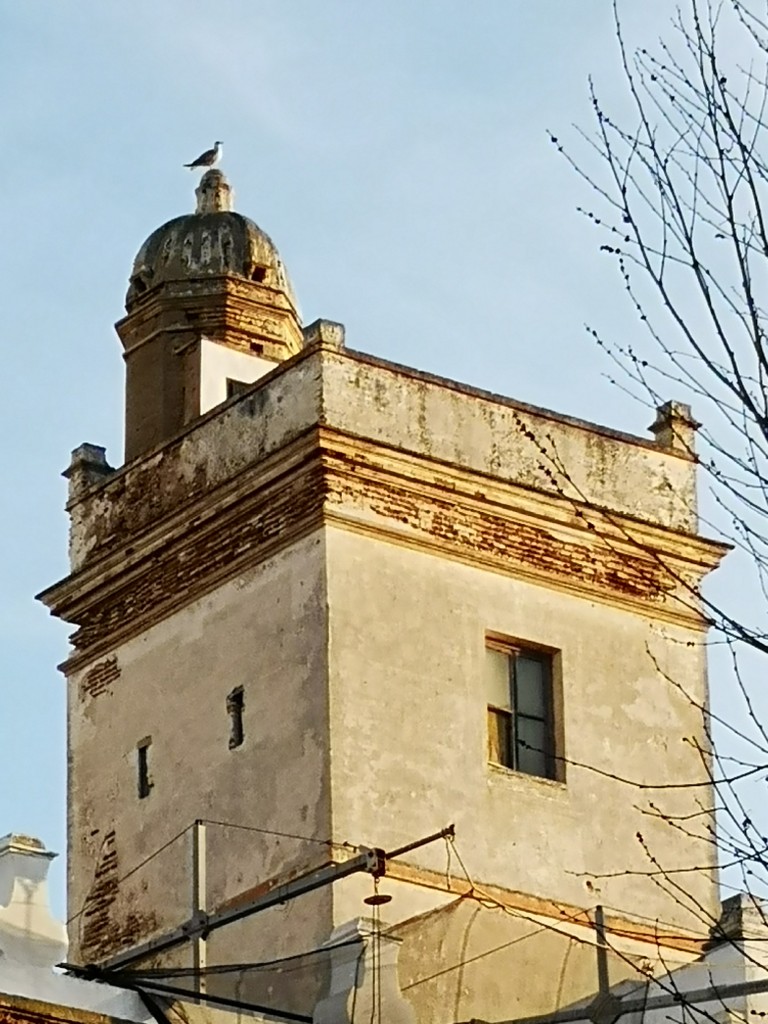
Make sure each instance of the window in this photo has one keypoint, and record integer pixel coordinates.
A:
(235, 705)
(144, 780)
(236, 387)
(520, 709)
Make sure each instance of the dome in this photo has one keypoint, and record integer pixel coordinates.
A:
(208, 243)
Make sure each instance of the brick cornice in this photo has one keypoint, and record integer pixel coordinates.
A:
(145, 579)
(518, 530)
(23, 1010)
(325, 476)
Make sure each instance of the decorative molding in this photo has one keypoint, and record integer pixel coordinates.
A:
(328, 477)
(23, 1010)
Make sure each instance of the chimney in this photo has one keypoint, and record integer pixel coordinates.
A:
(29, 933)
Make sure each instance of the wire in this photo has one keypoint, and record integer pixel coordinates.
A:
(134, 869)
(669, 987)
(222, 824)
(280, 963)
(275, 832)
(487, 900)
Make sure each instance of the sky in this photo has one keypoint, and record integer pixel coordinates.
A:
(396, 152)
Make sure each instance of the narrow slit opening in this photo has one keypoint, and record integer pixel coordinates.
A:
(144, 780)
(235, 706)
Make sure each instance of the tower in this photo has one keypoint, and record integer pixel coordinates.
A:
(329, 600)
(209, 303)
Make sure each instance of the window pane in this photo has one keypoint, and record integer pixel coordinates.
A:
(532, 763)
(497, 666)
(532, 746)
(531, 686)
(498, 738)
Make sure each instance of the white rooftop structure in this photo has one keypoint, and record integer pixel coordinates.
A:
(33, 942)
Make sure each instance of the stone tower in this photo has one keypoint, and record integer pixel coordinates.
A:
(332, 600)
(209, 301)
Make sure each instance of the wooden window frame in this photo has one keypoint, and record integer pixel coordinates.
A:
(509, 757)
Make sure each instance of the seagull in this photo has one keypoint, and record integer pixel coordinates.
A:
(208, 158)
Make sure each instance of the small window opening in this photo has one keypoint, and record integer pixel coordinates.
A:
(236, 387)
(521, 727)
(258, 274)
(144, 779)
(257, 348)
(235, 706)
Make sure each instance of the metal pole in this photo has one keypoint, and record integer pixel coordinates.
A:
(199, 898)
(603, 984)
(374, 861)
(202, 923)
(445, 833)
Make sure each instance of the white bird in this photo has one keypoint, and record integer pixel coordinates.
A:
(207, 159)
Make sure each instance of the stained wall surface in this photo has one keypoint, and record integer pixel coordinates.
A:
(264, 631)
(339, 541)
(409, 741)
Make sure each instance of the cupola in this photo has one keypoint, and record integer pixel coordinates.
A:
(210, 308)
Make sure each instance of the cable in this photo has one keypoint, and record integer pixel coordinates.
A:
(281, 963)
(275, 832)
(221, 824)
(133, 870)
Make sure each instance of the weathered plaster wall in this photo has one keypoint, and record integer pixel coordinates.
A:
(264, 630)
(433, 511)
(408, 730)
(409, 411)
(507, 439)
(471, 961)
(210, 454)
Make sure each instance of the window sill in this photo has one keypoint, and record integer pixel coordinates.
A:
(523, 777)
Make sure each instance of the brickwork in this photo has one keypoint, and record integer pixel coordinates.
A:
(103, 929)
(99, 679)
(97, 924)
(480, 532)
(334, 478)
(203, 556)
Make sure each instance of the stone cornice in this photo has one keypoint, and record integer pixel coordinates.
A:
(198, 295)
(232, 312)
(324, 476)
(518, 531)
(343, 391)
(23, 1010)
(361, 453)
(169, 565)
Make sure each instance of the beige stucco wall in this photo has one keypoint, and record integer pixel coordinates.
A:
(265, 631)
(470, 960)
(408, 731)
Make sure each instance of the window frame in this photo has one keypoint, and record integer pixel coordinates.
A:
(549, 658)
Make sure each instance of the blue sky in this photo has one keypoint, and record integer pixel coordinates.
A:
(396, 152)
